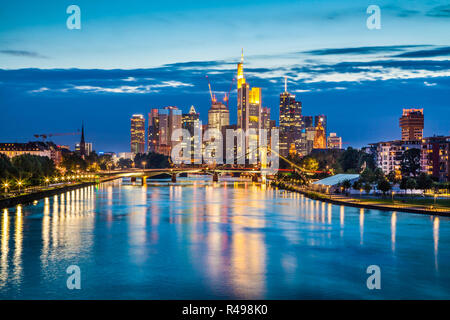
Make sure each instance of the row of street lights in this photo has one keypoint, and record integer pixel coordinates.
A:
(20, 183)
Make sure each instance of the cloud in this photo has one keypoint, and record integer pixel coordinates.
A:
(439, 12)
(436, 52)
(360, 50)
(23, 53)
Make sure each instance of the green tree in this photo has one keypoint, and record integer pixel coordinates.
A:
(410, 162)
(367, 187)
(357, 185)
(309, 164)
(411, 184)
(349, 159)
(346, 184)
(424, 181)
(125, 163)
(384, 186)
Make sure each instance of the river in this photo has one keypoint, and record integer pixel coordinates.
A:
(228, 240)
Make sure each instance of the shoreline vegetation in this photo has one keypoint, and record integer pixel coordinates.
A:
(406, 204)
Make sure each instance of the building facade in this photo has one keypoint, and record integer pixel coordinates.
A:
(435, 157)
(334, 142)
(218, 116)
(137, 141)
(412, 124)
(291, 124)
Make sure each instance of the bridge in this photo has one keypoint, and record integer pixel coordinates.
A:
(254, 172)
(143, 174)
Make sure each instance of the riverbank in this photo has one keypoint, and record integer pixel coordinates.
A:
(30, 197)
(363, 203)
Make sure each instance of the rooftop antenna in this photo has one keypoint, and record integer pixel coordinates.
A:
(242, 55)
(285, 84)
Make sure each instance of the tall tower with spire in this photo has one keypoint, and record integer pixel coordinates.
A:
(82, 142)
(290, 123)
(248, 104)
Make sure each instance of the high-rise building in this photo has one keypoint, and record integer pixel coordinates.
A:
(191, 122)
(334, 142)
(249, 106)
(164, 123)
(290, 123)
(307, 122)
(87, 148)
(265, 118)
(412, 123)
(153, 131)
(137, 134)
(218, 116)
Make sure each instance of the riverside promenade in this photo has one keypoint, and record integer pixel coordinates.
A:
(364, 203)
(40, 193)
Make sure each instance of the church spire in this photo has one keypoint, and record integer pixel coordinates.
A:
(82, 142)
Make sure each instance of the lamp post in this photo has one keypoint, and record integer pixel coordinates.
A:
(5, 185)
(143, 164)
(19, 183)
(393, 193)
(47, 180)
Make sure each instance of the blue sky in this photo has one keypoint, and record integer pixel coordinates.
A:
(131, 56)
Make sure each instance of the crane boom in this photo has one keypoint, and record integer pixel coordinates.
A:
(210, 91)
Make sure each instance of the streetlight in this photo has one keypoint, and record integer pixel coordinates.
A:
(47, 180)
(5, 185)
(393, 193)
(143, 164)
(19, 183)
(360, 194)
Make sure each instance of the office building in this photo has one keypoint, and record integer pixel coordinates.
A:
(435, 157)
(412, 123)
(137, 141)
(218, 116)
(290, 123)
(334, 142)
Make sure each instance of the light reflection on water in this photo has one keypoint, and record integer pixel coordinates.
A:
(198, 239)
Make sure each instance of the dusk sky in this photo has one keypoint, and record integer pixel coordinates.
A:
(131, 56)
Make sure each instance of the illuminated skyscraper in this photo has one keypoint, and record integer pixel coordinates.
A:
(218, 116)
(137, 133)
(153, 131)
(249, 106)
(322, 119)
(412, 123)
(191, 123)
(290, 123)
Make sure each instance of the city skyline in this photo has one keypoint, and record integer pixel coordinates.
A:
(360, 78)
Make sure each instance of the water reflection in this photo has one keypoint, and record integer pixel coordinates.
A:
(393, 229)
(236, 240)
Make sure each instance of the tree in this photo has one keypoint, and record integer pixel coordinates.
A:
(367, 187)
(411, 184)
(391, 176)
(424, 181)
(357, 185)
(125, 163)
(349, 159)
(378, 175)
(410, 162)
(309, 164)
(367, 176)
(384, 186)
(346, 184)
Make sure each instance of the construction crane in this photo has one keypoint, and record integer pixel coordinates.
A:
(213, 97)
(48, 135)
(227, 96)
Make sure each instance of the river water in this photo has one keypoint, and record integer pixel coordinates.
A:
(202, 240)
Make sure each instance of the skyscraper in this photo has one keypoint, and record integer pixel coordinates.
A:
(249, 106)
(166, 121)
(412, 123)
(290, 123)
(218, 116)
(137, 133)
(191, 123)
(153, 131)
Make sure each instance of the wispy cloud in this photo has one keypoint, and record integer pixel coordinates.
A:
(440, 12)
(23, 53)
